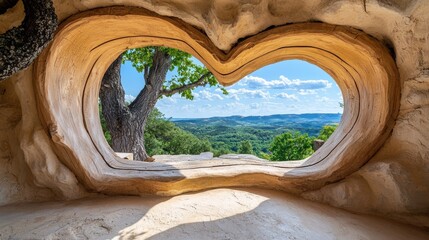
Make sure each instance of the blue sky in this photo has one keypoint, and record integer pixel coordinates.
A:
(292, 86)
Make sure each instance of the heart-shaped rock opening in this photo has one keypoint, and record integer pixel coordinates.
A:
(186, 113)
(68, 77)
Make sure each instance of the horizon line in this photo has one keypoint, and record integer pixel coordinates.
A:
(249, 115)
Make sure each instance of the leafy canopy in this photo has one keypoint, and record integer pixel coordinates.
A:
(188, 70)
(245, 147)
(291, 146)
(164, 137)
(327, 131)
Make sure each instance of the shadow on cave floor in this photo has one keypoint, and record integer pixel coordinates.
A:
(213, 214)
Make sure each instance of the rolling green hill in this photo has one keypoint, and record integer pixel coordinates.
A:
(226, 133)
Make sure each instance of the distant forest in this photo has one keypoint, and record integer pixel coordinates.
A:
(258, 135)
(227, 133)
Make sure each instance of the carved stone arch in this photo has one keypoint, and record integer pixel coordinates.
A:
(68, 77)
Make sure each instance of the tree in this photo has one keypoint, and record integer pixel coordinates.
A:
(291, 146)
(245, 147)
(126, 123)
(220, 148)
(327, 131)
(164, 137)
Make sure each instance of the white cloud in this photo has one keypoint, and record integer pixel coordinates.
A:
(234, 96)
(324, 99)
(170, 100)
(284, 83)
(287, 96)
(272, 103)
(129, 98)
(255, 106)
(187, 107)
(234, 93)
(207, 95)
(307, 92)
(235, 105)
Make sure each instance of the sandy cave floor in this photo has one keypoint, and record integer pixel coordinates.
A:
(213, 214)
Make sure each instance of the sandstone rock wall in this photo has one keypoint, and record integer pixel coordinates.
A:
(16, 181)
(393, 182)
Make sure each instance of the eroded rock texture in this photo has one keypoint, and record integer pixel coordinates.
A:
(393, 182)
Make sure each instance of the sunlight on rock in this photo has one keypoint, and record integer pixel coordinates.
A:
(221, 91)
(194, 208)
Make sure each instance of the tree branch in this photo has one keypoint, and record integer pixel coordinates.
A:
(200, 82)
(146, 74)
(21, 45)
(155, 78)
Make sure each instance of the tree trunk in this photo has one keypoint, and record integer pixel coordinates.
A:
(127, 123)
(114, 110)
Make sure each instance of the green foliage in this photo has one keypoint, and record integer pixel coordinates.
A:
(245, 147)
(226, 133)
(326, 132)
(188, 70)
(291, 146)
(221, 151)
(227, 139)
(220, 148)
(164, 137)
(264, 155)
